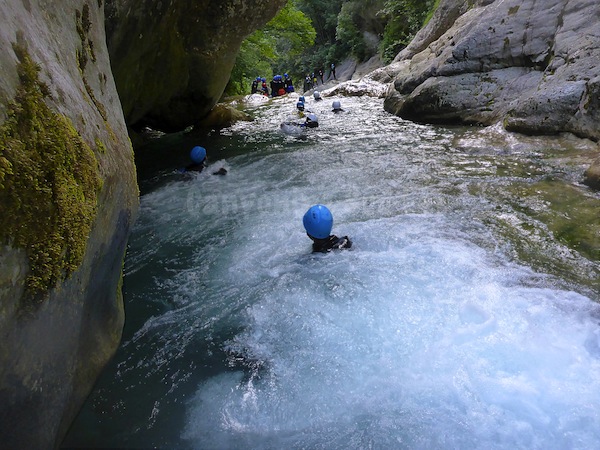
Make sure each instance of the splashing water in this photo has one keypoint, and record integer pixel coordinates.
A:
(457, 320)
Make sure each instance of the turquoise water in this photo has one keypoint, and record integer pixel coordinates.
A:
(457, 320)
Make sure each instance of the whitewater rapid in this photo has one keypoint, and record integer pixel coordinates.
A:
(431, 332)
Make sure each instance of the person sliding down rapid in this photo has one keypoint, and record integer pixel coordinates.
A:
(336, 106)
(312, 121)
(198, 157)
(318, 223)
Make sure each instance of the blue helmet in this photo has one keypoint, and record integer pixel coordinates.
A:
(300, 106)
(301, 99)
(318, 221)
(285, 75)
(336, 105)
(198, 154)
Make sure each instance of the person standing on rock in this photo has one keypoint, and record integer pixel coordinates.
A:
(332, 72)
(289, 84)
(307, 83)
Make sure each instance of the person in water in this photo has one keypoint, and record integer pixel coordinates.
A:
(312, 121)
(318, 223)
(198, 157)
(199, 161)
(336, 106)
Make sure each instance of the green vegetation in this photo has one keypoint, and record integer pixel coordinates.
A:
(310, 34)
(406, 17)
(49, 180)
(267, 50)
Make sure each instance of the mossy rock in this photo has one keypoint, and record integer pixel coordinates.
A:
(222, 116)
(49, 182)
(592, 175)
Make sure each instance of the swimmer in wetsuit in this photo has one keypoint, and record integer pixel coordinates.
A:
(318, 223)
(198, 157)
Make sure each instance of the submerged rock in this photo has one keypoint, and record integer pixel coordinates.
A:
(592, 175)
(222, 116)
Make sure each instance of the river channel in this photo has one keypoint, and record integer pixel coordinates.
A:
(465, 315)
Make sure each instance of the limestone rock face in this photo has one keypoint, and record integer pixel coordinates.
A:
(527, 63)
(172, 59)
(52, 350)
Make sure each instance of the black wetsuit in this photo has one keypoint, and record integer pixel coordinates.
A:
(196, 167)
(331, 243)
(288, 84)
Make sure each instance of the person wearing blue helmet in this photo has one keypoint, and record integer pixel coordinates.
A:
(277, 86)
(300, 106)
(288, 83)
(318, 222)
(312, 121)
(264, 89)
(199, 160)
(198, 157)
(255, 83)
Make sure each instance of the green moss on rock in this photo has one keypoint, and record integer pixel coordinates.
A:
(49, 181)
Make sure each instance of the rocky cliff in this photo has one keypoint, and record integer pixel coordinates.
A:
(68, 196)
(68, 191)
(172, 59)
(529, 64)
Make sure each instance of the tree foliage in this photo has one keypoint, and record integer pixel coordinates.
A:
(311, 34)
(405, 18)
(273, 48)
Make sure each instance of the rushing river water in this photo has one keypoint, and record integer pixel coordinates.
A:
(465, 316)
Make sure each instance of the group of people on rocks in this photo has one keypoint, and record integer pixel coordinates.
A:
(279, 86)
(259, 85)
(312, 80)
(284, 85)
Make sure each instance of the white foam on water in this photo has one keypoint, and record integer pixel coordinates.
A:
(426, 334)
(414, 338)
